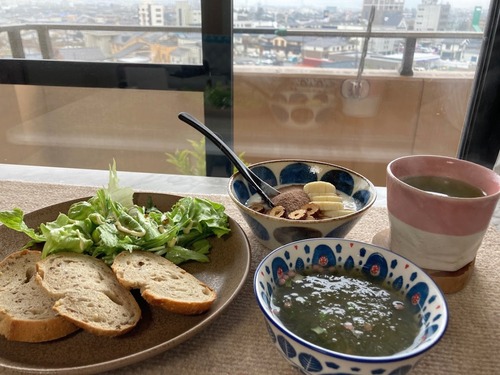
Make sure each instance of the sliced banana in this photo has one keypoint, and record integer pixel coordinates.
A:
(328, 206)
(323, 197)
(319, 187)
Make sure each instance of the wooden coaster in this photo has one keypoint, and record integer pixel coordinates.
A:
(452, 282)
(449, 282)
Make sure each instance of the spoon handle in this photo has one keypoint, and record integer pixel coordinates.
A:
(258, 184)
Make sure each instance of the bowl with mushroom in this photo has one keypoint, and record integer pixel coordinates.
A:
(316, 199)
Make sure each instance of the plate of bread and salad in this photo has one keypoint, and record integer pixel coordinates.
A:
(102, 282)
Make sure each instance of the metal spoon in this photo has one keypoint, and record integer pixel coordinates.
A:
(265, 190)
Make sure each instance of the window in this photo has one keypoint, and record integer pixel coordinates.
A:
(73, 111)
(281, 93)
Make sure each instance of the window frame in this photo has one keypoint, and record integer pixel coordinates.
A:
(480, 141)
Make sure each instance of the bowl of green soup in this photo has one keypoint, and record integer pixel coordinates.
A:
(341, 306)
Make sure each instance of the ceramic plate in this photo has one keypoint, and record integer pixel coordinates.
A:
(157, 331)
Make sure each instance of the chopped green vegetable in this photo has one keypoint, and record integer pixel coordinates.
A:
(318, 330)
(109, 223)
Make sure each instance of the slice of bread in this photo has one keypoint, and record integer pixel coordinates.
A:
(162, 283)
(88, 293)
(25, 308)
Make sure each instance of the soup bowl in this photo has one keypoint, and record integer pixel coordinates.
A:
(276, 231)
(411, 285)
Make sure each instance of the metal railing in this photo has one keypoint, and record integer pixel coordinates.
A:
(410, 37)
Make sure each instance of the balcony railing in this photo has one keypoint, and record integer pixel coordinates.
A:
(410, 37)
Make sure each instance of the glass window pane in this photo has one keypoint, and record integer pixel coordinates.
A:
(320, 80)
(416, 79)
(115, 31)
(88, 128)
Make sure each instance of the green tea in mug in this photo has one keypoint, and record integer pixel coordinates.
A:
(444, 186)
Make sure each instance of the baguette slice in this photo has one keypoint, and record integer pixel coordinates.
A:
(88, 293)
(162, 283)
(25, 308)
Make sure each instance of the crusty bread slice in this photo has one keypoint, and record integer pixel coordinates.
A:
(25, 308)
(88, 293)
(162, 283)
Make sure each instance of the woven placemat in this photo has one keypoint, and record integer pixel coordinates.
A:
(238, 343)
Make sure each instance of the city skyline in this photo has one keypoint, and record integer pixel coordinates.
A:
(354, 4)
(349, 4)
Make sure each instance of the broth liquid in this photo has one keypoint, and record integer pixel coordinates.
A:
(344, 313)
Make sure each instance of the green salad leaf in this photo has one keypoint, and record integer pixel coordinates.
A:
(109, 223)
(15, 220)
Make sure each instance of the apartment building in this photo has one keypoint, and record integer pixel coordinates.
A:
(382, 7)
(432, 16)
(151, 14)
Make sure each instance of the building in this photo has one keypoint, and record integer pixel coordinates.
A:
(151, 14)
(381, 8)
(432, 16)
(186, 15)
(103, 40)
(452, 50)
(388, 46)
(325, 51)
(421, 61)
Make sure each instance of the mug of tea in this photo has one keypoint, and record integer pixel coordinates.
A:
(439, 210)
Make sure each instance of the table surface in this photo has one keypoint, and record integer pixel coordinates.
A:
(237, 342)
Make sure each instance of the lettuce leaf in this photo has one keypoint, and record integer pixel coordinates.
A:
(15, 220)
(202, 219)
(109, 223)
(121, 195)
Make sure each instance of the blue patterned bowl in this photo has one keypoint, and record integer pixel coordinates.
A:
(272, 231)
(416, 288)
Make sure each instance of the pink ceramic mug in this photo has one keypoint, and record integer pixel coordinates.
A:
(439, 232)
